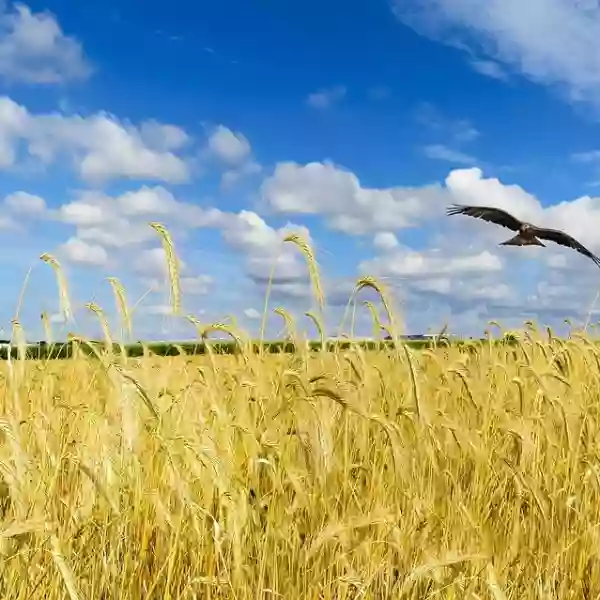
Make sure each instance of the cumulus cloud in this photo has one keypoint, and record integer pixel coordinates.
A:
(551, 42)
(228, 146)
(385, 240)
(101, 147)
(233, 150)
(78, 251)
(431, 264)
(337, 194)
(25, 203)
(34, 49)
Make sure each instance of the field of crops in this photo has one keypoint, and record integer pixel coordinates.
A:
(401, 474)
(460, 471)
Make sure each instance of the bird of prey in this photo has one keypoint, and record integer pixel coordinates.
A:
(527, 234)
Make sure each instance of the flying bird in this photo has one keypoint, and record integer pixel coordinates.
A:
(527, 234)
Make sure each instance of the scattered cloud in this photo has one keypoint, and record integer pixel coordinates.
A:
(455, 130)
(326, 97)
(591, 156)
(552, 42)
(455, 133)
(35, 50)
(441, 152)
(457, 267)
(489, 68)
(100, 147)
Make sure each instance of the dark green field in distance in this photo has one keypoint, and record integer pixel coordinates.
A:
(61, 350)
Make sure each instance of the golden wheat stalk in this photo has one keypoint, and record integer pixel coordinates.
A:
(63, 289)
(319, 325)
(173, 266)
(121, 303)
(47, 327)
(313, 271)
(93, 307)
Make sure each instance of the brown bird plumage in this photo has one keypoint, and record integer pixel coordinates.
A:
(527, 234)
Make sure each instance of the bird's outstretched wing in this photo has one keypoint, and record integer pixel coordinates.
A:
(560, 237)
(493, 215)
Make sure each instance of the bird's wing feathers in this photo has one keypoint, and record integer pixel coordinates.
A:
(493, 215)
(560, 237)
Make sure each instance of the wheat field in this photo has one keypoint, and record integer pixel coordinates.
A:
(443, 473)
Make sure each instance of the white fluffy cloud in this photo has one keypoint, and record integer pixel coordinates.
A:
(432, 264)
(554, 42)
(233, 150)
(34, 49)
(337, 194)
(77, 251)
(385, 240)
(228, 146)
(101, 147)
(25, 204)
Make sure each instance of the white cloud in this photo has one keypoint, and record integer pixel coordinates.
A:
(151, 262)
(431, 264)
(163, 137)
(324, 98)
(554, 42)
(385, 240)
(337, 194)
(77, 251)
(468, 186)
(26, 204)
(442, 152)
(252, 313)
(147, 201)
(122, 221)
(100, 146)
(233, 150)
(263, 247)
(232, 176)
(489, 68)
(34, 49)
(229, 146)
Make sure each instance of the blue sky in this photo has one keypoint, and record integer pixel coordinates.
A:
(355, 124)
